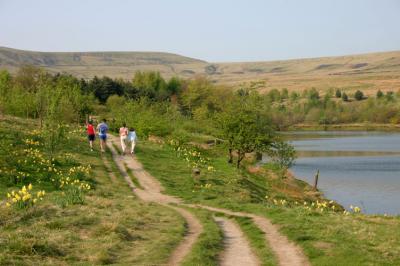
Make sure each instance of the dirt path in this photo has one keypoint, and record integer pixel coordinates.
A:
(151, 192)
(237, 251)
(287, 253)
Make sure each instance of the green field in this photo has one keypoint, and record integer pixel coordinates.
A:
(111, 226)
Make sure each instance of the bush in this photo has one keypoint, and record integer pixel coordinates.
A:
(379, 94)
(338, 94)
(358, 95)
(345, 98)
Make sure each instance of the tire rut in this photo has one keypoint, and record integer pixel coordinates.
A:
(237, 251)
(286, 252)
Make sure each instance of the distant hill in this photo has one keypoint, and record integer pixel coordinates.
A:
(368, 72)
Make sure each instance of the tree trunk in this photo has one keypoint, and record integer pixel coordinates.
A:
(240, 158)
(230, 156)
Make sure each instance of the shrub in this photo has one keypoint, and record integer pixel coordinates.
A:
(379, 94)
(338, 94)
(345, 98)
(358, 95)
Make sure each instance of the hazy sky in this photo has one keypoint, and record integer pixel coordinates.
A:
(213, 30)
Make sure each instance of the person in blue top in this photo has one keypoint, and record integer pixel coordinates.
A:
(102, 129)
(132, 137)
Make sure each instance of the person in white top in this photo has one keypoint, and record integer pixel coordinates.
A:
(132, 137)
(123, 134)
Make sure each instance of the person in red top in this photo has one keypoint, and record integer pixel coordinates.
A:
(91, 134)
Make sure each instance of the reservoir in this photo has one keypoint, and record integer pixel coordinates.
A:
(356, 168)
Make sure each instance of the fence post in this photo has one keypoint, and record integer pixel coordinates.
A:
(316, 180)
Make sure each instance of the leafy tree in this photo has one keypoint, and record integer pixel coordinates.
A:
(379, 94)
(151, 85)
(338, 93)
(282, 154)
(195, 94)
(245, 128)
(5, 86)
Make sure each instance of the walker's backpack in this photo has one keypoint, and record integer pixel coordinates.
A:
(103, 130)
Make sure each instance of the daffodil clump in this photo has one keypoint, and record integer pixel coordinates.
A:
(67, 183)
(314, 206)
(24, 198)
(26, 161)
(193, 157)
(72, 186)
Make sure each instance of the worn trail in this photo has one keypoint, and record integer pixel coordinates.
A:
(151, 192)
(237, 251)
(287, 253)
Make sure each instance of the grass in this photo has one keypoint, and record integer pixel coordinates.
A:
(257, 241)
(111, 227)
(327, 238)
(207, 248)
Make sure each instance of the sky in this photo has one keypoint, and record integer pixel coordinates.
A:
(212, 30)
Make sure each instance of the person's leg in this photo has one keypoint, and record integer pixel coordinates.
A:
(91, 139)
(102, 144)
(123, 144)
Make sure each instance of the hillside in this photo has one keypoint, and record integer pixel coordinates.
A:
(368, 72)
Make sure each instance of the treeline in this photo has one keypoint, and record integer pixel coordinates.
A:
(333, 107)
(31, 92)
(175, 108)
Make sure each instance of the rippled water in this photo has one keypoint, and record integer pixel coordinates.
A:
(358, 168)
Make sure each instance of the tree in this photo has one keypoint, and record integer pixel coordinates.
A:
(284, 94)
(150, 84)
(294, 96)
(379, 94)
(283, 155)
(338, 93)
(389, 96)
(174, 86)
(345, 98)
(5, 86)
(195, 94)
(245, 128)
(358, 95)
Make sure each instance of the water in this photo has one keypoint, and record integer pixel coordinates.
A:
(356, 168)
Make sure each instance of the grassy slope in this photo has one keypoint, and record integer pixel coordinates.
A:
(367, 72)
(111, 227)
(350, 240)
